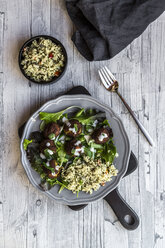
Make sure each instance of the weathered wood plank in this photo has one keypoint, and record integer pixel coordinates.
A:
(15, 190)
(158, 84)
(1, 162)
(2, 17)
(37, 204)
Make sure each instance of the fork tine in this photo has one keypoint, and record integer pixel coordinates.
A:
(109, 82)
(103, 80)
(110, 73)
(108, 76)
(105, 77)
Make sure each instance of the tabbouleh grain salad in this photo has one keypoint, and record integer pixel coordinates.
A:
(73, 149)
(43, 60)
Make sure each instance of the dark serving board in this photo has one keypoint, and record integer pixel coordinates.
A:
(126, 215)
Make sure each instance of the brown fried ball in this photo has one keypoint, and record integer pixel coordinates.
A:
(102, 135)
(73, 128)
(72, 144)
(45, 169)
(45, 145)
(51, 128)
(53, 164)
(53, 149)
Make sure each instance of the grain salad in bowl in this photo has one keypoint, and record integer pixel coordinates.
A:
(73, 149)
(42, 59)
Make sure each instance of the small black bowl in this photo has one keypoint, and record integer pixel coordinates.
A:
(28, 43)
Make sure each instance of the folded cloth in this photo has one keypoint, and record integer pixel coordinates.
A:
(105, 27)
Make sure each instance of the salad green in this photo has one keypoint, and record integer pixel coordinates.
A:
(26, 143)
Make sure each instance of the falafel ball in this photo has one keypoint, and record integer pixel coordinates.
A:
(102, 135)
(51, 128)
(73, 144)
(51, 148)
(73, 128)
(36, 136)
(56, 172)
(53, 164)
(47, 144)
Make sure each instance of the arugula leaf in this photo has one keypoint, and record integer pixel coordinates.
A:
(38, 168)
(42, 125)
(89, 128)
(47, 154)
(106, 123)
(37, 163)
(55, 181)
(61, 188)
(73, 151)
(81, 138)
(48, 167)
(109, 152)
(61, 155)
(52, 117)
(62, 184)
(36, 159)
(64, 115)
(79, 113)
(26, 143)
(87, 120)
(51, 136)
(67, 138)
(96, 146)
(58, 144)
(91, 111)
(74, 160)
(88, 152)
(76, 127)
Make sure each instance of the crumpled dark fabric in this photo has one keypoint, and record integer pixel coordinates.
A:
(106, 27)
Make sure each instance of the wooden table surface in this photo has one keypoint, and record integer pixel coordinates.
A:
(28, 219)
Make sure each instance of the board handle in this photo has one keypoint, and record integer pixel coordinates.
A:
(125, 214)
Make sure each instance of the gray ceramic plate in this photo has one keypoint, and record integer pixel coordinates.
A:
(120, 139)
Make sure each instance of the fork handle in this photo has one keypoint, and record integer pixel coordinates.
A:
(141, 127)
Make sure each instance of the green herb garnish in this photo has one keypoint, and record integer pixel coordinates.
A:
(51, 136)
(26, 143)
(76, 127)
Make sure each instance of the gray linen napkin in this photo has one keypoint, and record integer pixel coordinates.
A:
(106, 27)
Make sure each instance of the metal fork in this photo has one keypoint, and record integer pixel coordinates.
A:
(111, 84)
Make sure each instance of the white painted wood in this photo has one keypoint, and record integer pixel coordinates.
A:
(2, 16)
(27, 218)
(1, 129)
